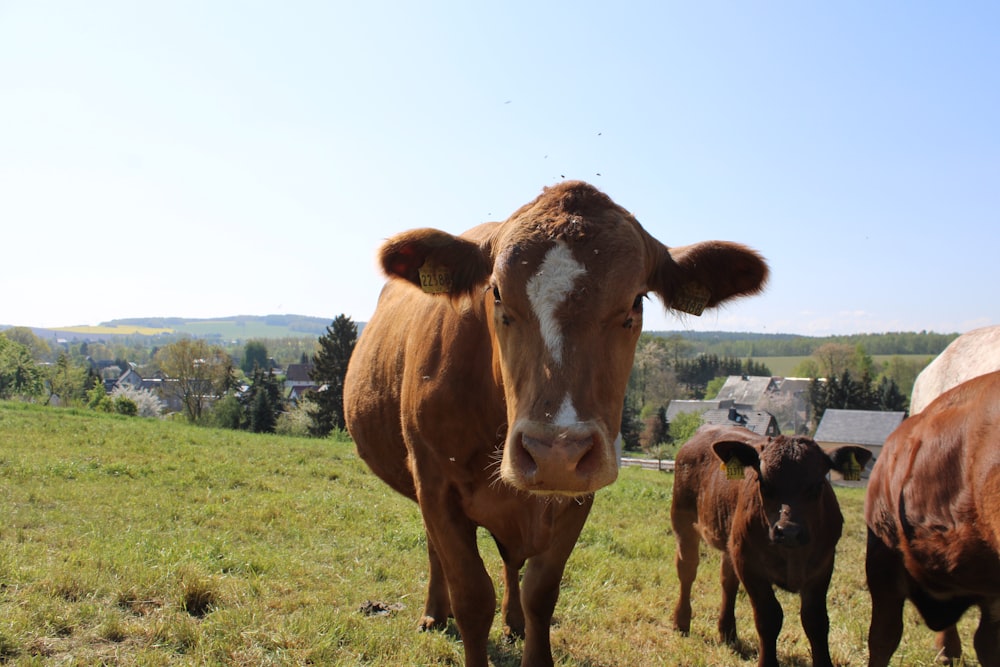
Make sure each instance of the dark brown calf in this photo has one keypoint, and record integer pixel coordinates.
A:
(933, 515)
(774, 517)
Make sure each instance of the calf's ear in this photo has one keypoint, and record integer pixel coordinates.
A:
(704, 275)
(735, 454)
(436, 261)
(849, 461)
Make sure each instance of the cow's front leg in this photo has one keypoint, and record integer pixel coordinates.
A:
(438, 607)
(815, 619)
(883, 567)
(470, 588)
(767, 616)
(540, 587)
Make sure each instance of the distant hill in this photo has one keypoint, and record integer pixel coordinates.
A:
(236, 327)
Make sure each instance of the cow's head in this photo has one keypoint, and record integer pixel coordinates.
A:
(561, 284)
(790, 478)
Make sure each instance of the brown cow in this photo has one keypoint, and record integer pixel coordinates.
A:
(933, 515)
(775, 519)
(498, 402)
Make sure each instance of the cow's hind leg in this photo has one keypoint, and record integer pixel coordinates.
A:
(883, 568)
(686, 561)
(438, 606)
(510, 608)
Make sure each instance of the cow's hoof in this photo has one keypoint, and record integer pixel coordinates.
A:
(430, 623)
(511, 635)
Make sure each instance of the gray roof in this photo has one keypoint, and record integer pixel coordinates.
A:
(758, 421)
(676, 407)
(857, 427)
(744, 390)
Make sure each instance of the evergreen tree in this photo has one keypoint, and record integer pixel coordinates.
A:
(329, 369)
(262, 402)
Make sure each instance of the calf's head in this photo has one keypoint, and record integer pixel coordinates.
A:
(790, 478)
(561, 286)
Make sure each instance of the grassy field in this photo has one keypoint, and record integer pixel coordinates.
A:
(135, 542)
(785, 366)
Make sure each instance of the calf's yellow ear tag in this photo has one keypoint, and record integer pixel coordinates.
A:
(852, 471)
(733, 468)
(692, 299)
(435, 278)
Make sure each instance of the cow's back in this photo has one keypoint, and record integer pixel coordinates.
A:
(970, 355)
(935, 491)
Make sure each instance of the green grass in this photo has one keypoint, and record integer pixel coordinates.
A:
(134, 542)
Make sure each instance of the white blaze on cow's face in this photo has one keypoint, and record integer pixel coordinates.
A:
(547, 291)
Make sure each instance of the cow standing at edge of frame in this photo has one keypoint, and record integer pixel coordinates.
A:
(489, 385)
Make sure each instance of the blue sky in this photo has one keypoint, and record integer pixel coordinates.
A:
(202, 159)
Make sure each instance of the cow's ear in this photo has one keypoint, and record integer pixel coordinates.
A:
(435, 261)
(704, 275)
(849, 461)
(736, 456)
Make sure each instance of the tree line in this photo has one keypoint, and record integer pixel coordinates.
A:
(744, 345)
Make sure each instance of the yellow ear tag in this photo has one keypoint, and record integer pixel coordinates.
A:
(852, 471)
(434, 278)
(692, 299)
(733, 468)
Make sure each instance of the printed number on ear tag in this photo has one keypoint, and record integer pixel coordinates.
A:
(434, 278)
(692, 298)
(852, 471)
(733, 468)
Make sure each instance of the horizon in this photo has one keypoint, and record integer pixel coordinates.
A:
(134, 321)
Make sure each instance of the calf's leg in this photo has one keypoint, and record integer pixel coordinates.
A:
(816, 620)
(949, 646)
(987, 637)
(686, 561)
(767, 616)
(727, 611)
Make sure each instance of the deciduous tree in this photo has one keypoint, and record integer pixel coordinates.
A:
(197, 373)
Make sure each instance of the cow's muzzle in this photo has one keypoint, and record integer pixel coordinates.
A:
(569, 461)
(787, 532)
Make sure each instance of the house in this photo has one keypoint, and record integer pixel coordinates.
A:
(676, 407)
(298, 382)
(726, 412)
(758, 421)
(867, 428)
(745, 391)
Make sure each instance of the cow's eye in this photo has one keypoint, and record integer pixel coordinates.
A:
(636, 310)
(766, 490)
(496, 295)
